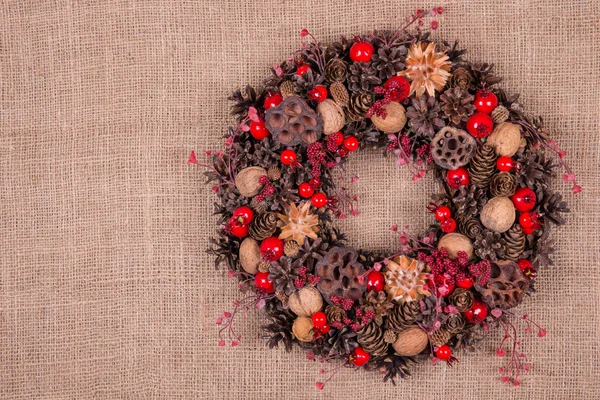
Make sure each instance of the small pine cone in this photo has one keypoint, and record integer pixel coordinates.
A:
(359, 106)
(371, 338)
(258, 206)
(263, 225)
(515, 242)
(287, 89)
(462, 299)
(339, 93)
(455, 323)
(291, 248)
(274, 173)
(482, 166)
(500, 114)
(461, 78)
(403, 315)
(335, 313)
(264, 266)
(335, 70)
(503, 184)
(390, 336)
(440, 337)
(282, 297)
(470, 226)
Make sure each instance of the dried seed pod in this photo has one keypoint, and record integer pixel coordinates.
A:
(394, 120)
(498, 214)
(503, 184)
(505, 139)
(500, 114)
(287, 89)
(455, 242)
(482, 166)
(452, 148)
(303, 329)
(294, 122)
(306, 301)
(440, 337)
(247, 181)
(411, 342)
(250, 256)
(506, 287)
(339, 93)
(332, 115)
(515, 242)
(291, 248)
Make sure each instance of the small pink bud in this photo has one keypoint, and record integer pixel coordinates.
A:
(576, 189)
(504, 379)
(528, 330)
(500, 352)
(496, 312)
(230, 274)
(243, 128)
(253, 114)
(278, 70)
(516, 383)
(192, 159)
(321, 371)
(221, 343)
(304, 33)
(360, 279)
(434, 25)
(234, 343)
(227, 314)
(320, 385)
(541, 332)
(219, 321)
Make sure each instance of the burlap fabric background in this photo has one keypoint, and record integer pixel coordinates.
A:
(105, 289)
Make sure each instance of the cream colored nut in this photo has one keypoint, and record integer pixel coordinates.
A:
(394, 120)
(505, 139)
(498, 214)
(332, 115)
(455, 242)
(411, 342)
(247, 181)
(306, 301)
(250, 255)
(303, 329)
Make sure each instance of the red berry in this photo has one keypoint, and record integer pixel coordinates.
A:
(343, 152)
(272, 100)
(398, 88)
(442, 213)
(319, 319)
(444, 288)
(375, 281)
(302, 69)
(243, 214)
(261, 281)
(523, 263)
(505, 164)
(324, 329)
(480, 125)
(259, 130)
(318, 93)
(237, 228)
(524, 199)
(351, 143)
(359, 357)
(458, 177)
(288, 157)
(305, 190)
(448, 225)
(361, 51)
(526, 220)
(443, 352)
(477, 313)
(271, 248)
(319, 200)
(337, 137)
(315, 183)
(466, 283)
(485, 101)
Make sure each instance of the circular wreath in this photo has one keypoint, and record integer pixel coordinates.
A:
(425, 105)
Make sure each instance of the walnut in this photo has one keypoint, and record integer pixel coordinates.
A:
(250, 255)
(411, 342)
(455, 242)
(394, 120)
(505, 139)
(306, 301)
(498, 214)
(247, 181)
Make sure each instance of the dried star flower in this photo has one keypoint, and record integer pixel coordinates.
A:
(299, 223)
(427, 69)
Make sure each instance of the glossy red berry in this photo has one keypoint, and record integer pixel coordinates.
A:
(448, 225)
(343, 152)
(443, 286)
(272, 100)
(398, 88)
(458, 177)
(325, 329)
(361, 51)
(524, 199)
(243, 214)
(302, 69)
(529, 222)
(237, 228)
(318, 93)
(305, 190)
(443, 352)
(271, 248)
(315, 183)
(485, 101)
(337, 137)
(442, 213)
(359, 357)
(261, 281)
(527, 268)
(465, 283)
(319, 319)
(259, 130)
(480, 125)
(288, 157)
(523, 263)
(351, 143)
(505, 164)
(375, 281)
(319, 200)
(477, 313)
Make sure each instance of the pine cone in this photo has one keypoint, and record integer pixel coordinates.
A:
(371, 338)
(515, 242)
(461, 78)
(469, 339)
(550, 206)
(339, 271)
(287, 89)
(359, 106)
(263, 225)
(424, 116)
(457, 105)
(455, 323)
(283, 275)
(335, 313)
(534, 170)
(259, 206)
(506, 287)
(470, 226)
(379, 303)
(264, 266)
(307, 81)
(482, 166)
(462, 299)
(469, 200)
(500, 114)
(390, 336)
(440, 337)
(403, 315)
(489, 245)
(482, 75)
(362, 77)
(388, 61)
(503, 184)
(339, 93)
(335, 70)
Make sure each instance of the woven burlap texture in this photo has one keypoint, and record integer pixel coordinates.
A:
(105, 287)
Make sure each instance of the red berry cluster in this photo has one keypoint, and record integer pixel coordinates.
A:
(444, 215)
(480, 124)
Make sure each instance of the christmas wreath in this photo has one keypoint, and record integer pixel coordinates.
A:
(425, 105)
